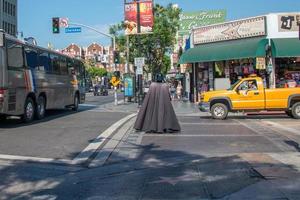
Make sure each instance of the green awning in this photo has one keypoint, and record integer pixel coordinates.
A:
(228, 50)
(286, 47)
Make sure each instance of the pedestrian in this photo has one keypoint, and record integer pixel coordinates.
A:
(157, 113)
(179, 90)
(172, 91)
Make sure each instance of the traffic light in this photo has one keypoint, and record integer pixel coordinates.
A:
(55, 25)
(116, 57)
(117, 74)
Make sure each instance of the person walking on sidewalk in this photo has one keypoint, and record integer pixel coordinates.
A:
(157, 114)
(179, 90)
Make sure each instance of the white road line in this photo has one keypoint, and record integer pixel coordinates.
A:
(190, 135)
(97, 142)
(201, 123)
(291, 130)
(107, 150)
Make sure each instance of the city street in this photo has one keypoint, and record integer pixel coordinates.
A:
(208, 159)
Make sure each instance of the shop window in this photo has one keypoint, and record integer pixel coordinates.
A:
(219, 70)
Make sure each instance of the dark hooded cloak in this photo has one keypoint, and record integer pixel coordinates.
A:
(157, 114)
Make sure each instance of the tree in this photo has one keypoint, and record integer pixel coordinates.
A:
(97, 72)
(154, 46)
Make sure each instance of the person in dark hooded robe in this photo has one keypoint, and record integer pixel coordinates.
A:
(157, 114)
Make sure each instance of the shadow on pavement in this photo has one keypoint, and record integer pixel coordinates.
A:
(179, 175)
(15, 122)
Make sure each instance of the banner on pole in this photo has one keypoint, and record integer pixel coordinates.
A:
(131, 17)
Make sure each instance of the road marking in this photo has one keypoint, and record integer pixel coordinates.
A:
(291, 130)
(190, 135)
(111, 145)
(97, 142)
(222, 124)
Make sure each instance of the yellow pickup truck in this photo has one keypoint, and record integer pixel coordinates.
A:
(249, 94)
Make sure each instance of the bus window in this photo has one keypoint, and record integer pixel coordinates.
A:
(31, 58)
(14, 55)
(44, 62)
(55, 64)
(63, 66)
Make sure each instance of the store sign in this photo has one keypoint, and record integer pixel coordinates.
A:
(251, 27)
(131, 17)
(260, 63)
(289, 22)
(190, 20)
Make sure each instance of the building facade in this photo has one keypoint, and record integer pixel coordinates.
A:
(267, 46)
(73, 50)
(9, 16)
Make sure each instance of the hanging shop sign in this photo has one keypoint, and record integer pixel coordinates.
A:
(246, 28)
(260, 63)
(288, 22)
(131, 17)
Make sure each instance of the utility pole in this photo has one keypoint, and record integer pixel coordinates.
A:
(140, 76)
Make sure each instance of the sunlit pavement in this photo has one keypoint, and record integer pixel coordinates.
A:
(244, 157)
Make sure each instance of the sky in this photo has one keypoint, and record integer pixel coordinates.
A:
(35, 15)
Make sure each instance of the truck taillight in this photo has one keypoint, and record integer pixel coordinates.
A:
(2, 92)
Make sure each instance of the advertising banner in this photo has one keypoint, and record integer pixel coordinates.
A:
(128, 86)
(246, 28)
(131, 17)
(146, 16)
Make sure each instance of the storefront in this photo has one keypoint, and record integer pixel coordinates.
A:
(224, 53)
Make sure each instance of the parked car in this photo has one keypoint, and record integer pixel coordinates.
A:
(249, 94)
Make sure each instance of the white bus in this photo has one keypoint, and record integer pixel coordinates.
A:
(34, 79)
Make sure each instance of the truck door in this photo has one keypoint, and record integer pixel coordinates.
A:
(249, 95)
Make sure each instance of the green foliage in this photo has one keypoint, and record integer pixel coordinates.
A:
(154, 46)
(95, 71)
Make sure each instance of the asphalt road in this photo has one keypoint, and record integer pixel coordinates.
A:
(63, 134)
(208, 159)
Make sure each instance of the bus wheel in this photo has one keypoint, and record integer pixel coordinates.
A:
(76, 103)
(41, 107)
(29, 110)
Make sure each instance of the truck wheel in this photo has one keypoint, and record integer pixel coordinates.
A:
(76, 103)
(289, 113)
(296, 110)
(219, 111)
(29, 110)
(41, 107)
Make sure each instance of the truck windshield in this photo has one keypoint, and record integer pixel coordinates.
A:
(235, 84)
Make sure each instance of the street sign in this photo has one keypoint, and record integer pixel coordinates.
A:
(139, 70)
(139, 61)
(115, 81)
(73, 30)
(64, 22)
